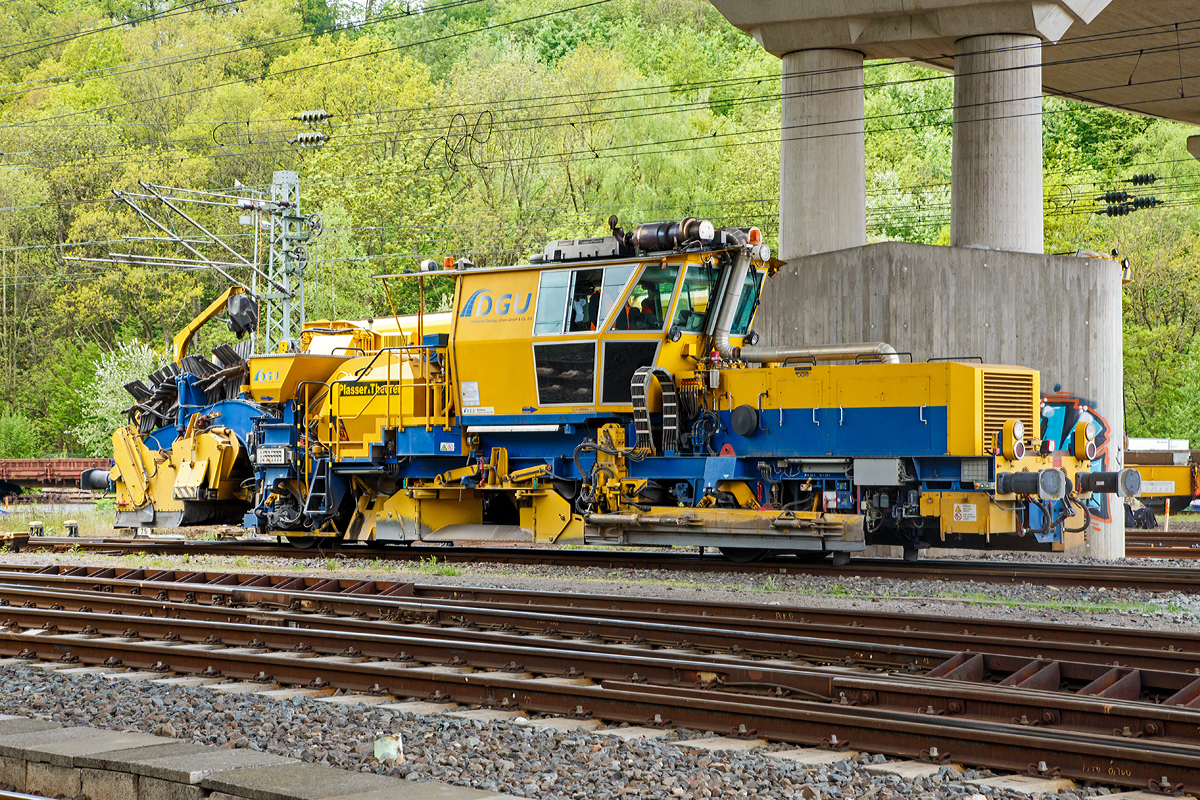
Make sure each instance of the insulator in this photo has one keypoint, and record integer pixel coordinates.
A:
(1114, 197)
(1146, 202)
(313, 117)
(1143, 180)
(316, 225)
(1117, 211)
(309, 139)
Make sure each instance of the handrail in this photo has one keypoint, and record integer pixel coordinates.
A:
(434, 386)
(306, 471)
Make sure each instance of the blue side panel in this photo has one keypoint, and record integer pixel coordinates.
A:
(161, 439)
(420, 442)
(848, 433)
(237, 415)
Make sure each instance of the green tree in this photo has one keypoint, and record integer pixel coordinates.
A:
(104, 399)
(20, 436)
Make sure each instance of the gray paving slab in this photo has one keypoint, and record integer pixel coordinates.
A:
(10, 725)
(154, 789)
(193, 769)
(16, 744)
(295, 782)
(121, 759)
(64, 751)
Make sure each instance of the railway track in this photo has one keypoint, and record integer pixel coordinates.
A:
(1162, 544)
(1111, 705)
(1153, 579)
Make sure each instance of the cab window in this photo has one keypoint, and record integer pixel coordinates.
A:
(649, 300)
(699, 286)
(747, 304)
(578, 300)
(699, 291)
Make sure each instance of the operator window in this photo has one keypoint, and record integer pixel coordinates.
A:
(649, 300)
(578, 300)
(615, 279)
(699, 286)
(746, 304)
(552, 301)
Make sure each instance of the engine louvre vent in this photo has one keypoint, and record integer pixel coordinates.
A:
(1008, 395)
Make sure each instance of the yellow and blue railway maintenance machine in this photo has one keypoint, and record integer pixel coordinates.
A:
(612, 391)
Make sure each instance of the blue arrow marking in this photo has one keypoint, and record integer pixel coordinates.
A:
(529, 409)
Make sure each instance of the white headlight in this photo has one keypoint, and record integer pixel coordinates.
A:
(1018, 430)
(707, 231)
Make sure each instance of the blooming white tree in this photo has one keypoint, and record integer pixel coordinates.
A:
(104, 397)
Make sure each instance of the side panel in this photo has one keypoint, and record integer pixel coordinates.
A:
(492, 353)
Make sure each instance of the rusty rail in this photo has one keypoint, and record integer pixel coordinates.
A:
(1004, 703)
(1155, 579)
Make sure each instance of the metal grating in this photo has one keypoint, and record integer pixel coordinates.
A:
(1008, 395)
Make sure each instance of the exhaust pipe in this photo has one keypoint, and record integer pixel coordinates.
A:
(821, 352)
(763, 355)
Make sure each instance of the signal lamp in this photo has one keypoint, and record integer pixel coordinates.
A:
(1011, 437)
(1083, 445)
(755, 236)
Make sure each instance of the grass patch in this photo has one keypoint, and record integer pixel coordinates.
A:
(431, 566)
(94, 520)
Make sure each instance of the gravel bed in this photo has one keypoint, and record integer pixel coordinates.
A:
(1176, 611)
(499, 757)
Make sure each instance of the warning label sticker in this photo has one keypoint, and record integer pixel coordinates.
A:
(964, 512)
(470, 393)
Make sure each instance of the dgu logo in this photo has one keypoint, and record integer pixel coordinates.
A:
(481, 304)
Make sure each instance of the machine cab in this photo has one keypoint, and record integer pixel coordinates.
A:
(563, 340)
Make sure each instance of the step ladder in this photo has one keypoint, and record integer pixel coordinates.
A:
(315, 504)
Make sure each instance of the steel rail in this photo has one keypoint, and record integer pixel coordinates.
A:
(504, 651)
(1150, 578)
(1002, 746)
(351, 597)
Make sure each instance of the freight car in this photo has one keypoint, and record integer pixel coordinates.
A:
(611, 391)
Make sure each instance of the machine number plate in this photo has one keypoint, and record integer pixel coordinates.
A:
(271, 455)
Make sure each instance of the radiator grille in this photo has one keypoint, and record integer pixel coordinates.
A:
(1008, 395)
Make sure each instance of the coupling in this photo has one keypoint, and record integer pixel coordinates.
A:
(1048, 484)
(1123, 483)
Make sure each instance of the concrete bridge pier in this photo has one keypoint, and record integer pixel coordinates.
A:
(996, 180)
(822, 168)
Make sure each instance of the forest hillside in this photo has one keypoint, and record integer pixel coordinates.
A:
(471, 127)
